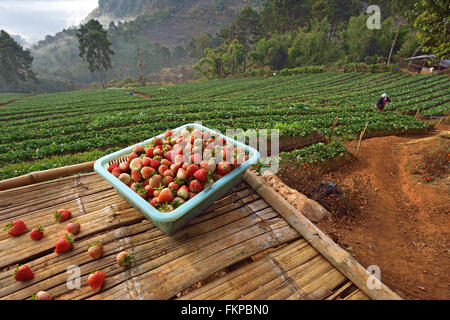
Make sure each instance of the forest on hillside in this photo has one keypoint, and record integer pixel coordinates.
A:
(234, 38)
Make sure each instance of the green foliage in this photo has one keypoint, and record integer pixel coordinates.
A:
(95, 48)
(272, 52)
(15, 63)
(431, 20)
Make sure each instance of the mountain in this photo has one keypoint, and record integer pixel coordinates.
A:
(157, 27)
(21, 40)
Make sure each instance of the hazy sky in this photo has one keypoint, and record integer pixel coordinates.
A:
(34, 19)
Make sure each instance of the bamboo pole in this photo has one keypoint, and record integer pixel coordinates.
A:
(337, 256)
(360, 138)
(332, 128)
(39, 176)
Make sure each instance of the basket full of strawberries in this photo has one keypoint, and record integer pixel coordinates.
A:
(173, 177)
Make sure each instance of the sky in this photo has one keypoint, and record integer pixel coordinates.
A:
(34, 19)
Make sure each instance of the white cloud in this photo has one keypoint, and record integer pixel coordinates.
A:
(34, 19)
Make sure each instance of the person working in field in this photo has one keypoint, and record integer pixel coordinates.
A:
(382, 102)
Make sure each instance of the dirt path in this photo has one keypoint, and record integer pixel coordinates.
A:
(405, 227)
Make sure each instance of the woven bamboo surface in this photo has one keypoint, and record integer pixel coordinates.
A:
(240, 248)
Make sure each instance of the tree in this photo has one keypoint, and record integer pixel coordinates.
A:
(246, 28)
(15, 63)
(95, 48)
(271, 52)
(431, 19)
(196, 48)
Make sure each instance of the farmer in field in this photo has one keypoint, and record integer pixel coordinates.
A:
(382, 101)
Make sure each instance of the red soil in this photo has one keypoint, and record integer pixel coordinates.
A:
(405, 227)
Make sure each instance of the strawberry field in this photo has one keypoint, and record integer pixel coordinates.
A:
(53, 130)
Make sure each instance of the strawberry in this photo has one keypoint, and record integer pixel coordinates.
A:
(165, 196)
(175, 166)
(116, 172)
(125, 166)
(149, 190)
(73, 227)
(149, 152)
(64, 244)
(147, 172)
(37, 233)
(183, 192)
(155, 181)
(16, 228)
(138, 150)
(112, 166)
(167, 134)
(132, 156)
(96, 250)
(168, 172)
(136, 176)
(180, 158)
(23, 273)
(146, 161)
(201, 175)
(223, 167)
(62, 215)
(161, 169)
(158, 141)
(195, 186)
(96, 280)
(173, 186)
(154, 202)
(167, 180)
(41, 295)
(154, 163)
(136, 164)
(157, 152)
(195, 158)
(191, 195)
(181, 174)
(191, 169)
(177, 201)
(125, 178)
(169, 155)
(124, 259)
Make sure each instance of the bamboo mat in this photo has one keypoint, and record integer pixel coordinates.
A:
(239, 248)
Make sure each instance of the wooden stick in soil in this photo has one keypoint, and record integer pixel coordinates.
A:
(332, 128)
(440, 120)
(360, 138)
(417, 113)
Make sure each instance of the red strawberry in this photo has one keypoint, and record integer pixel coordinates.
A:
(125, 166)
(223, 167)
(23, 273)
(125, 178)
(191, 169)
(154, 163)
(96, 250)
(112, 166)
(37, 233)
(41, 295)
(195, 186)
(116, 172)
(158, 141)
(155, 181)
(201, 175)
(64, 244)
(132, 156)
(138, 150)
(157, 152)
(149, 152)
(16, 228)
(167, 134)
(167, 180)
(161, 169)
(183, 192)
(136, 176)
(73, 227)
(168, 172)
(175, 166)
(147, 172)
(173, 186)
(195, 158)
(165, 196)
(96, 280)
(154, 201)
(124, 258)
(149, 190)
(191, 195)
(62, 215)
(146, 161)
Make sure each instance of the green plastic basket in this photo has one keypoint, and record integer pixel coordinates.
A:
(170, 222)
